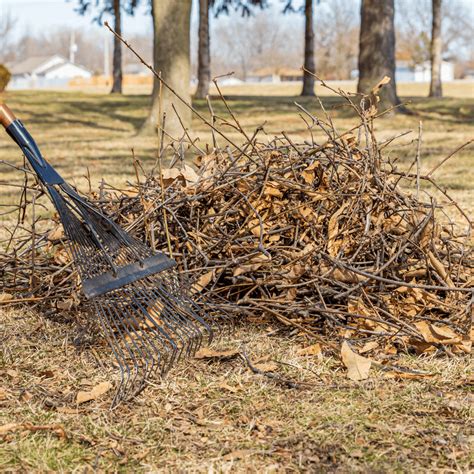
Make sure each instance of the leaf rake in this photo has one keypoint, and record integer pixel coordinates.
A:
(143, 305)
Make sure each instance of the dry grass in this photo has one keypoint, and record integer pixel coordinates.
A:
(219, 416)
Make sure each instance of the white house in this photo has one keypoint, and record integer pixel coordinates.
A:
(406, 72)
(45, 72)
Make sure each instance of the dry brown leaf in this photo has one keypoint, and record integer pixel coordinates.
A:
(206, 353)
(358, 367)
(203, 281)
(395, 374)
(5, 297)
(314, 349)
(56, 234)
(266, 366)
(96, 392)
(334, 244)
(369, 346)
(437, 334)
(9, 427)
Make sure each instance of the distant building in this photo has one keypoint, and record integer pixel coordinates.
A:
(45, 72)
(275, 75)
(406, 72)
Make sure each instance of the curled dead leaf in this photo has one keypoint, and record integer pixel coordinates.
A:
(358, 367)
(96, 392)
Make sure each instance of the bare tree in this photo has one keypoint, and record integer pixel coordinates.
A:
(7, 26)
(204, 51)
(117, 61)
(244, 7)
(377, 49)
(244, 45)
(171, 57)
(435, 50)
(309, 66)
(413, 24)
(336, 39)
(114, 8)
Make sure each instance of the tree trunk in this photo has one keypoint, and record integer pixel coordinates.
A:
(435, 51)
(308, 79)
(204, 63)
(171, 50)
(117, 62)
(377, 50)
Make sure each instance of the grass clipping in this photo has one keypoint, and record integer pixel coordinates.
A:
(319, 236)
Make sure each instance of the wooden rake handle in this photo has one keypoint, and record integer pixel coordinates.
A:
(7, 117)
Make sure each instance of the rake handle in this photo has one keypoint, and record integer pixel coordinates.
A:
(20, 135)
(7, 117)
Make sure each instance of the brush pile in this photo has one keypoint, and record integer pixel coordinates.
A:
(317, 235)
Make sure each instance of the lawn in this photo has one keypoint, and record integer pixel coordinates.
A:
(217, 415)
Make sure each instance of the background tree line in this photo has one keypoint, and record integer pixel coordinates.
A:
(326, 36)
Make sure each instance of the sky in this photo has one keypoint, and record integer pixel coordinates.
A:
(36, 15)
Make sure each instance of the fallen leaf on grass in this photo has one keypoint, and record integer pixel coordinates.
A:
(228, 388)
(369, 346)
(5, 297)
(206, 353)
(266, 366)
(96, 392)
(393, 374)
(12, 427)
(314, 349)
(4, 429)
(358, 367)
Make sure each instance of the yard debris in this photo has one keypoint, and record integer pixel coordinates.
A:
(319, 235)
(358, 367)
(97, 391)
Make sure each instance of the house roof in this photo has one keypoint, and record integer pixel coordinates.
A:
(34, 63)
(29, 65)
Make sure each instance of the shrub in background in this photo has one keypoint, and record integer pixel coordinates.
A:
(5, 76)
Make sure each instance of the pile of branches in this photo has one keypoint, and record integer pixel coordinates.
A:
(319, 235)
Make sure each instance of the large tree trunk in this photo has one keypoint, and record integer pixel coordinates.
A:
(117, 62)
(171, 23)
(377, 50)
(435, 51)
(204, 53)
(308, 79)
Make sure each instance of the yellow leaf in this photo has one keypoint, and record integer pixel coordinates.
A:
(96, 392)
(358, 367)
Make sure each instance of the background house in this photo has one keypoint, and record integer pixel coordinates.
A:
(275, 75)
(408, 72)
(42, 72)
